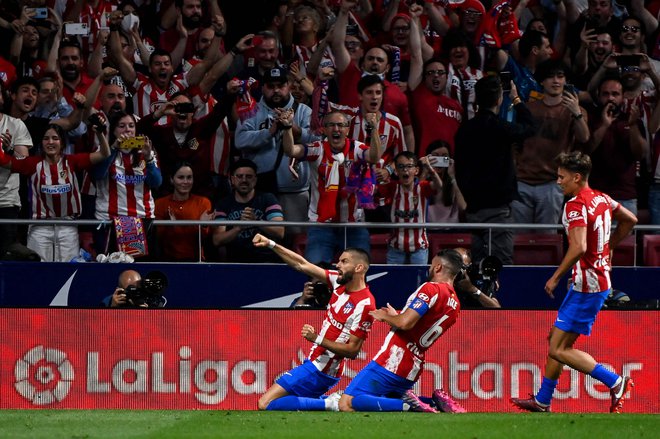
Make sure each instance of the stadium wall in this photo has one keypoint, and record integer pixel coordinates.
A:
(223, 360)
(273, 285)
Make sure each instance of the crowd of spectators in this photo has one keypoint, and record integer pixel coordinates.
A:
(318, 111)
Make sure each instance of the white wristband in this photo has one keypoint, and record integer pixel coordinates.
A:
(319, 340)
(477, 293)
(271, 243)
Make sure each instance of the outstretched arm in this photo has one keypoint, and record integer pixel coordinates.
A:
(292, 259)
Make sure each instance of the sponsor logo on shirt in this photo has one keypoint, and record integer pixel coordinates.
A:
(130, 179)
(424, 297)
(56, 189)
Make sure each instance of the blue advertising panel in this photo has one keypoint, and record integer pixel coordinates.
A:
(268, 285)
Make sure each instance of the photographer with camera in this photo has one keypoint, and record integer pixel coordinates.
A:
(315, 294)
(133, 291)
(476, 285)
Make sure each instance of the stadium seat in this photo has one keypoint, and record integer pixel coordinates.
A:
(378, 242)
(652, 250)
(438, 241)
(538, 249)
(624, 253)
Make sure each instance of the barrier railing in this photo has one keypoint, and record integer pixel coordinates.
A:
(632, 243)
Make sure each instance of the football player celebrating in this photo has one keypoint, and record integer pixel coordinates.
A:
(587, 219)
(344, 329)
(429, 312)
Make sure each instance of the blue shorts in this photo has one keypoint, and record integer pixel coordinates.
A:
(578, 311)
(306, 380)
(375, 380)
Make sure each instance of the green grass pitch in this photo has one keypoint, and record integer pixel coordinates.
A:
(163, 424)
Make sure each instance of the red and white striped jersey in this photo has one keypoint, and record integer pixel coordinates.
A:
(402, 352)
(390, 131)
(460, 86)
(348, 314)
(124, 190)
(147, 96)
(591, 209)
(54, 190)
(304, 54)
(318, 154)
(408, 207)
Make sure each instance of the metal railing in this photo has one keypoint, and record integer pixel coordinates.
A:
(432, 227)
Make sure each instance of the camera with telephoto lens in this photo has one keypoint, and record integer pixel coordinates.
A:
(149, 292)
(482, 275)
(320, 297)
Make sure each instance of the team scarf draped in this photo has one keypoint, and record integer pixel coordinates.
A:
(246, 106)
(319, 106)
(396, 65)
(360, 182)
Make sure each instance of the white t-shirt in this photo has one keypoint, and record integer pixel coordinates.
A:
(9, 182)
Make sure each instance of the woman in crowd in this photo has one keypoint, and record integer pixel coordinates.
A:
(124, 182)
(448, 204)
(54, 192)
(182, 243)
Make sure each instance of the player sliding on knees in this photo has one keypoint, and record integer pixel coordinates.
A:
(345, 327)
(587, 220)
(385, 384)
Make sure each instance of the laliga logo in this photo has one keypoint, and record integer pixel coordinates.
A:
(43, 375)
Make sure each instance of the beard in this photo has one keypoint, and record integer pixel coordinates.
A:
(70, 74)
(345, 278)
(191, 22)
(277, 103)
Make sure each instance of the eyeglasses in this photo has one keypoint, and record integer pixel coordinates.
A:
(335, 125)
(435, 72)
(472, 13)
(401, 29)
(352, 44)
(405, 167)
(627, 28)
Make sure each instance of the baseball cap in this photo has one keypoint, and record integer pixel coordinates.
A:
(276, 74)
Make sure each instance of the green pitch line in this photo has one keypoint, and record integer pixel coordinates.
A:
(164, 424)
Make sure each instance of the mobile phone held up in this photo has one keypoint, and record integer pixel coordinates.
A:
(40, 13)
(438, 161)
(76, 29)
(505, 79)
(132, 143)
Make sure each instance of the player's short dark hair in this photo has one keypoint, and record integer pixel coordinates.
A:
(407, 155)
(488, 91)
(549, 68)
(68, 43)
(360, 254)
(575, 161)
(368, 81)
(159, 52)
(530, 39)
(451, 260)
(243, 163)
(24, 80)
